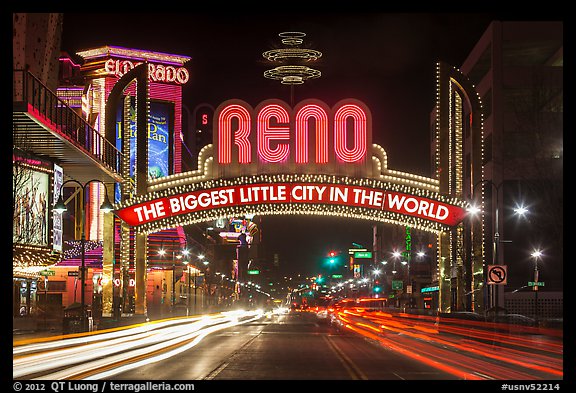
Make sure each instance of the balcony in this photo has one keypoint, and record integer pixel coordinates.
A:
(44, 124)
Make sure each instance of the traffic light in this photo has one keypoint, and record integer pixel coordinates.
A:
(332, 257)
(376, 289)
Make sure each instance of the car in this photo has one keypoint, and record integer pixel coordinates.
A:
(451, 322)
(281, 310)
(464, 315)
(554, 323)
(513, 319)
(322, 315)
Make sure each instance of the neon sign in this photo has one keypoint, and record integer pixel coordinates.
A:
(295, 193)
(156, 72)
(310, 160)
(311, 134)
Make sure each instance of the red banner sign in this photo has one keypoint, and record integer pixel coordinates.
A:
(300, 193)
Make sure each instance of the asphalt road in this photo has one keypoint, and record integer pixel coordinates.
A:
(296, 346)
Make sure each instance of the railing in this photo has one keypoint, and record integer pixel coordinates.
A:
(30, 91)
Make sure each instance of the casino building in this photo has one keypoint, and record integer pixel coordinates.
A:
(89, 86)
(59, 112)
(60, 148)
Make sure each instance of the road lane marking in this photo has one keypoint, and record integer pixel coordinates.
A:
(348, 364)
(212, 374)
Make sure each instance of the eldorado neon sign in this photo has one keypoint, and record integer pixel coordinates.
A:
(309, 160)
(156, 72)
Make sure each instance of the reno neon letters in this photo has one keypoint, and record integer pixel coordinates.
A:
(309, 134)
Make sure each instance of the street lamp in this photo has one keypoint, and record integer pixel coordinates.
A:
(185, 253)
(162, 252)
(520, 210)
(396, 255)
(408, 283)
(60, 207)
(201, 258)
(536, 255)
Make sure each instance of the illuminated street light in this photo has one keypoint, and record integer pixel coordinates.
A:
(184, 252)
(106, 207)
(536, 255)
(496, 235)
(520, 210)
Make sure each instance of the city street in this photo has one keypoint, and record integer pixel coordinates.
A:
(292, 346)
(206, 198)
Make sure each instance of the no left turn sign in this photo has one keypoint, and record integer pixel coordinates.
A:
(497, 274)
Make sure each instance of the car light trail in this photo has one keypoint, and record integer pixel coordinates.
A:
(466, 349)
(86, 357)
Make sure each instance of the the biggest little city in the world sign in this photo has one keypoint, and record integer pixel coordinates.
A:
(273, 159)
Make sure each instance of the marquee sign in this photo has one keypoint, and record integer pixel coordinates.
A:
(118, 61)
(309, 160)
(293, 194)
(156, 72)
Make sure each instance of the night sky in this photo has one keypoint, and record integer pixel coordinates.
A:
(386, 60)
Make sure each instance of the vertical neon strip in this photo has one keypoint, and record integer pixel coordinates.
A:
(266, 134)
(358, 152)
(450, 128)
(240, 135)
(302, 120)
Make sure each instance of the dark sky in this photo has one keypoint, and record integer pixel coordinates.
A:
(386, 60)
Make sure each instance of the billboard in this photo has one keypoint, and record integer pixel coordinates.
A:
(57, 222)
(159, 137)
(30, 220)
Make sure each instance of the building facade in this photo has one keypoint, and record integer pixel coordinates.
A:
(548, 305)
(516, 69)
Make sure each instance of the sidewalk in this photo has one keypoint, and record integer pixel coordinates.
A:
(18, 335)
(30, 329)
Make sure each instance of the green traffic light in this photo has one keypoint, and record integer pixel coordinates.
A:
(377, 289)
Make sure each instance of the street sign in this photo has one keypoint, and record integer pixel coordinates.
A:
(336, 276)
(73, 273)
(253, 272)
(48, 273)
(397, 284)
(497, 274)
(430, 289)
(535, 284)
(408, 288)
(363, 254)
